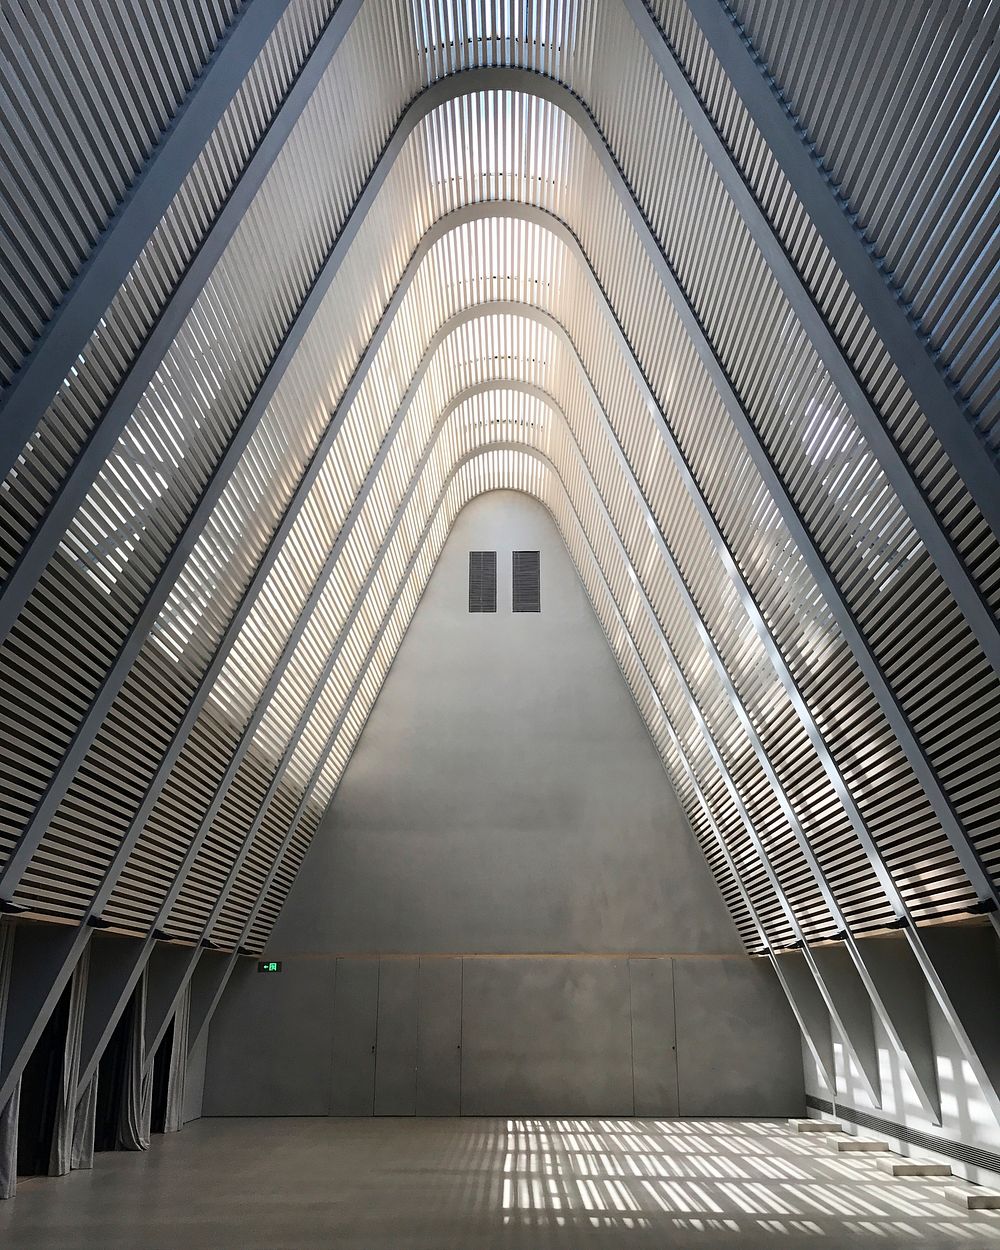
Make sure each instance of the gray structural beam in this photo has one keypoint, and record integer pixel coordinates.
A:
(904, 986)
(72, 492)
(41, 953)
(803, 167)
(893, 464)
(116, 251)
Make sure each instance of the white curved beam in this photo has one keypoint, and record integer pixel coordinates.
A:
(472, 81)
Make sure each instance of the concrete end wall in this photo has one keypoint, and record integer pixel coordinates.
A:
(506, 824)
(505, 795)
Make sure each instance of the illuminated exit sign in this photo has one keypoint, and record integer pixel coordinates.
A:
(268, 965)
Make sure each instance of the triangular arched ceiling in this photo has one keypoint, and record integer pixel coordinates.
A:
(286, 284)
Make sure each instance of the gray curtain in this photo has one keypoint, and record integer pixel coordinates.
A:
(82, 1153)
(137, 1102)
(61, 1154)
(8, 1144)
(8, 1115)
(177, 1075)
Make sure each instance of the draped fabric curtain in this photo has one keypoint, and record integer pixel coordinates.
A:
(82, 1150)
(177, 1077)
(8, 1114)
(137, 1100)
(61, 1154)
(8, 1144)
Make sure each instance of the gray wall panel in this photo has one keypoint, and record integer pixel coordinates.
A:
(269, 1043)
(738, 1050)
(654, 1042)
(439, 1037)
(559, 1036)
(396, 1047)
(545, 1037)
(352, 1079)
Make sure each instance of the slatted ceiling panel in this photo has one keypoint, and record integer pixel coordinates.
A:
(686, 644)
(266, 909)
(760, 889)
(783, 736)
(296, 199)
(97, 373)
(710, 839)
(207, 874)
(761, 803)
(259, 644)
(773, 304)
(931, 95)
(685, 783)
(273, 497)
(635, 674)
(601, 598)
(39, 704)
(221, 846)
(245, 889)
(862, 347)
(95, 815)
(86, 96)
(235, 663)
(126, 590)
(729, 487)
(152, 866)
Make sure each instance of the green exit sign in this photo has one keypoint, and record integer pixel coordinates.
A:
(268, 965)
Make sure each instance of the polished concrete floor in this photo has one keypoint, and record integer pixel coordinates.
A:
(485, 1184)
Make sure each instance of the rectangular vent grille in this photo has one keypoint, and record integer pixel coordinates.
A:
(527, 591)
(482, 581)
(976, 1156)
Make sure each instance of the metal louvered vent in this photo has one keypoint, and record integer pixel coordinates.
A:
(482, 581)
(526, 582)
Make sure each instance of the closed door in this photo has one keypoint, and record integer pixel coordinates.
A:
(396, 1038)
(355, 1016)
(439, 1037)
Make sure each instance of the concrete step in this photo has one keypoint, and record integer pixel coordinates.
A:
(852, 1145)
(912, 1167)
(974, 1199)
(813, 1126)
